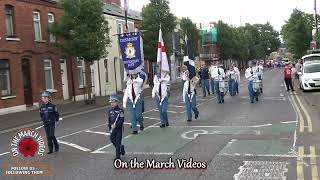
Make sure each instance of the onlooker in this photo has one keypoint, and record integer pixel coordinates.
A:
(288, 76)
(298, 68)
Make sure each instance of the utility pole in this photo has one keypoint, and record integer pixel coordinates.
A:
(316, 20)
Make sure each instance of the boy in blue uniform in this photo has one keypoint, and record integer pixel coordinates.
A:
(49, 116)
(116, 120)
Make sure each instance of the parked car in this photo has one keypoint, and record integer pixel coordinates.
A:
(309, 76)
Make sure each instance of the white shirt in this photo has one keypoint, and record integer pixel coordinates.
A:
(211, 69)
(260, 70)
(193, 85)
(215, 73)
(164, 86)
(251, 74)
(137, 86)
(237, 73)
(184, 75)
(232, 74)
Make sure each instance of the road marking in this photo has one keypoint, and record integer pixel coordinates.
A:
(281, 95)
(74, 146)
(4, 153)
(100, 149)
(288, 122)
(137, 153)
(176, 106)
(259, 155)
(306, 113)
(264, 125)
(81, 131)
(96, 132)
(174, 112)
(152, 118)
(300, 173)
(313, 162)
(301, 120)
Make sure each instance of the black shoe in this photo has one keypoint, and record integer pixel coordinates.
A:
(222, 101)
(117, 159)
(257, 99)
(189, 120)
(292, 90)
(219, 102)
(56, 149)
(167, 123)
(123, 152)
(134, 132)
(162, 126)
(50, 152)
(196, 115)
(252, 102)
(141, 128)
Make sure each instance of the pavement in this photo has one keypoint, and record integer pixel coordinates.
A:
(275, 138)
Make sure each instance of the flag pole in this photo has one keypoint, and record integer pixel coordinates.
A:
(126, 14)
(161, 53)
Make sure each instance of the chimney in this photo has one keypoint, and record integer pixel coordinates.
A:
(117, 2)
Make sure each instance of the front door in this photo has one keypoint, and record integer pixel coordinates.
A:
(64, 79)
(25, 64)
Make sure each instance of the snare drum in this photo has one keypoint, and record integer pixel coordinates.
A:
(223, 86)
(257, 84)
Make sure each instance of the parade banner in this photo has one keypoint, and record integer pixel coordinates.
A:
(130, 47)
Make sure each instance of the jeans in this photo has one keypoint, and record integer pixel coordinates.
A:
(191, 106)
(288, 82)
(237, 87)
(212, 86)
(252, 94)
(163, 108)
(141, 120)
(205, 86)
(134, 113)
(220, 95)
(232, 87)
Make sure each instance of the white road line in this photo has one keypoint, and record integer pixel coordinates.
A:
(128, 123)
(100, 149)
(97, 132)
(281, 95)
(174, 112)
(176, 106)
(39, 127)
(288, 122)
(138, 153)
(260, 155)
(151, 118)
(4, 153)
(264, 125)
(81, 131)
(74, 146)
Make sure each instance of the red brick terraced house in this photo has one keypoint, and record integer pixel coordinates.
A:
(29, 62)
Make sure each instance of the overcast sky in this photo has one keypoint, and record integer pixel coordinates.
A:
(230, 11)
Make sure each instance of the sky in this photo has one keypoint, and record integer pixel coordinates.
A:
(235, 12)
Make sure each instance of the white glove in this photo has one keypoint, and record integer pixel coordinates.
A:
(124, 105)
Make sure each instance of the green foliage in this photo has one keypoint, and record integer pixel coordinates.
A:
(246, 42)
(190, 29)
(297, 32)
(155, 13)
(83, 29)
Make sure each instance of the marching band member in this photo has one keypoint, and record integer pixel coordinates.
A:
(251, 75)
(189, 97)
(144, 77)
(218, 74)
(211, 70)
(133, 101)
(160, 93)
(260, 73)
(231, 74)
(238, 78)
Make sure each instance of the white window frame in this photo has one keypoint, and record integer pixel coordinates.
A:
(9, 90)
(121, 28)
(82, 83)
(51, 73)
(39, 22)
(52, 38)
(11, 21)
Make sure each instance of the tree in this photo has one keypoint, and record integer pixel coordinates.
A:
(154, 14)
(297, 32)
(190, 29)
(83, 29)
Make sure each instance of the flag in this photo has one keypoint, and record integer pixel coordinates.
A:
(188, 58)
(162, 58)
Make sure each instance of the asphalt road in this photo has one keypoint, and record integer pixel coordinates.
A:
(276, 138)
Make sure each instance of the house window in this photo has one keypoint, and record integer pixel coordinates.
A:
(81, 73)
(106, 67)
(48, 74)
(9, 21)
(5, 88)
(119, 28)
(37, 26)
(52, 38)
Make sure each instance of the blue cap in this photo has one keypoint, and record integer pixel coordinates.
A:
(114, 98)
(45, 94)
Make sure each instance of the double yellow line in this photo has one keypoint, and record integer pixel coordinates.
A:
(313, 162)
(301, 111)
